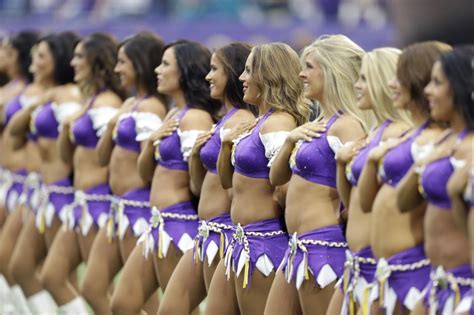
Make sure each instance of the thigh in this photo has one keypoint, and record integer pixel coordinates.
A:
(283, 297)
(137, 283)
(335, 305)
(30, 249)
(8, 239)
(127, 244)
(164, 267)
(313, 299)
(221, 298)
(209, 270)
(50, 232)
(63, 256)
(253, 298)
(85, 242)
(186, 289)
(419, 309)
(104, 262)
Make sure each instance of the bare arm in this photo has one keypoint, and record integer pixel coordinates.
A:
(224, 165)
(106, 144)
(146, 161)
(456, 186)
(408, 195)
(66, 146)
(197, 171)
(20, 123)
(280, 172)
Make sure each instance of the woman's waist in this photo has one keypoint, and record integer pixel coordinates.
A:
(446, 244)
(393, 241)
(308, 218)
(123, 156)
(210, 206)
(86, 180)
(249, 212)
(165, 196)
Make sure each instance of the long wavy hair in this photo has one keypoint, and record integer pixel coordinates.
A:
(233, 57)
(414, 69)
(340, 60)
(101, 54)
(380, 65)
(145, 50)
(193, 60)
(23, 42)
(275, 68)
(61, 47)
(458, 67)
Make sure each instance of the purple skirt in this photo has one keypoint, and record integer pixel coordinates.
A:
(258, 245)
(15, 189)
(90, 207)
(133, 211)
(214, 235)
(177, 223)
(55, 197)
(321, 252)
(31, 194)
(359, 274)
(402, 277)
(444, 297)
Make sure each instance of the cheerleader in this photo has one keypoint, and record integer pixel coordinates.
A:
(193, 274)
(402, 269)
(271, 83)
(447, 246)
(305, 281)
(119, 148)
(174, 222)
(373, 93)
(93, 62)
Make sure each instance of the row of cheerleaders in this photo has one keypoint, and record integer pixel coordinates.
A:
(337, 181)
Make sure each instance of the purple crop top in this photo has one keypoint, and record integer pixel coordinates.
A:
(83, 128)
(125, 132)
(45, 122)
(315, 161)
(434, 180)
(169, 148)
(354, 168)
(249, 153)
(210, 150)
(12, 108)
(398, 160)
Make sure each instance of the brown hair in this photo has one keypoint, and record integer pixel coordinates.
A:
(414, 68)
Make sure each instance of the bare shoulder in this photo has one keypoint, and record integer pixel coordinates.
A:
(153, 105)
(66, 93)
(196, 119)
(395, 130)
(108, 99)
(347, 128)
(278, 121)
(242, 115)
(465, 147)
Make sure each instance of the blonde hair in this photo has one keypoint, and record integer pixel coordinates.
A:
(275, 68)
(339, 59)
(380, 66)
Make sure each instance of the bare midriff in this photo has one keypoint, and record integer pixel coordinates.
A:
(169, 187)
(87, 171)
(13, 160)
(391, 230)
(445, 243)
(310, 206)
(252, 200)
(33, 162)
(214, 200)
(358, 224)
(124, 174)
(52, 166)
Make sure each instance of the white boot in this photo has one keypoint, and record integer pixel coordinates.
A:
(7, 307)
(20, 300)
(42, 303)
(75, 307)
